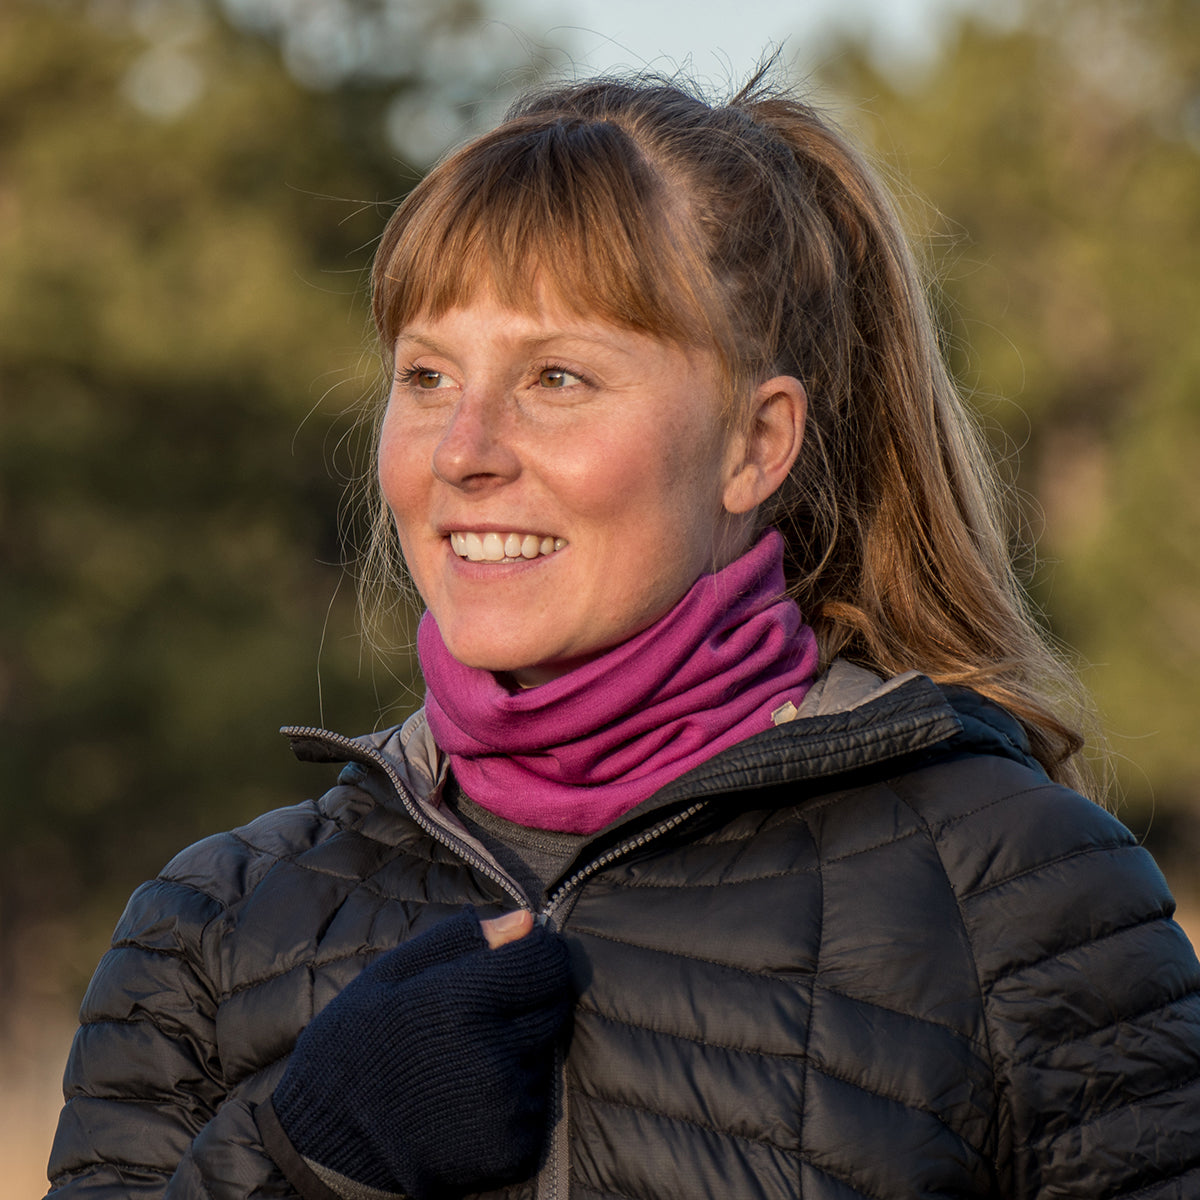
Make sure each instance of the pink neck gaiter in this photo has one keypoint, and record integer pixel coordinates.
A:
(577, 752)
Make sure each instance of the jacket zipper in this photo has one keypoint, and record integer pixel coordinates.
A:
(554, 1178)
(358, 752)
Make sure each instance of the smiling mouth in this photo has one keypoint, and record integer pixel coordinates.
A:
(503, 547)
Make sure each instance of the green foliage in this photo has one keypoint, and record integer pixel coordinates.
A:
(184, 232)
(182, 338)
(1064, 153)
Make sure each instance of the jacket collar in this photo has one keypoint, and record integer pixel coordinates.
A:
(850, 721)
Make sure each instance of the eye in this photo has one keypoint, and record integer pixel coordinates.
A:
(421, 377)
(557, 377)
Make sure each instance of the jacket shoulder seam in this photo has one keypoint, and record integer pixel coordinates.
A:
(812, 1002)
(899, 790)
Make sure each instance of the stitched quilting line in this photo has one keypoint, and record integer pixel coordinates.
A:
(116, 1164)
(578, 930)
(369, 882)
(812, 869)
(797, 1056)
(1127, 1018)
(1177, 1086)
(815, 1065)
(168, 1100)
(677, 1118)
(831, 747)
(188, 887)
(1019, 968)
(974, 1044)
(658, 1031)
(844, 1180)
(898, 788)
(730, 1136)
(129, 943)
(889, 841)
(772, 820)
(616, 881)
(605, 1193)
(812, 1004)
(980, 1047)
(296, 858)
(1081, 852)
(938, 827)
(169, 1034)
(304, 965)
(1188, 1169)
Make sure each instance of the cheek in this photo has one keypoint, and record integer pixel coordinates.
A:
(634, 470)
(401, 479)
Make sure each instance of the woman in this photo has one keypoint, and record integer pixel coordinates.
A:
(668, 891)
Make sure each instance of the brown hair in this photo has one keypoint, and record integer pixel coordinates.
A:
(754, 228)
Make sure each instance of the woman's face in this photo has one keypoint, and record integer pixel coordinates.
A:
(557, 482)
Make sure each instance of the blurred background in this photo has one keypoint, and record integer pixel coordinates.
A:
(190, 191)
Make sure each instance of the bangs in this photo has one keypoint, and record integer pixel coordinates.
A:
(568, 211)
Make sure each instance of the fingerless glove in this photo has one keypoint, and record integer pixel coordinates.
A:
(431, 1073)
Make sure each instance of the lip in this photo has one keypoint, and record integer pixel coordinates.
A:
(445, 528)
(493, 572)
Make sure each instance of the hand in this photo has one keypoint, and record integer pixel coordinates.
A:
(432, 1071)
(499, 931)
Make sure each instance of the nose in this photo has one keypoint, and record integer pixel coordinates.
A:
(476, 449)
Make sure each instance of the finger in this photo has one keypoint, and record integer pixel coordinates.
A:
(499, 931)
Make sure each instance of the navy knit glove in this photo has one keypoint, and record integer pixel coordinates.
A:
(431, 1073)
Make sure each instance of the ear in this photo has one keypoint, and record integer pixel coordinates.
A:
(769, 446)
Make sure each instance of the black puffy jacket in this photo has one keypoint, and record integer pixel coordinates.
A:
(869, 953)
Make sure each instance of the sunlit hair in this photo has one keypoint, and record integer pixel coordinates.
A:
(755, 230)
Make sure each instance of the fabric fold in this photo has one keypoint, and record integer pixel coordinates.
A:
(575, 753)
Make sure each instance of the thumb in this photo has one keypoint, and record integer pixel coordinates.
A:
(499, 931)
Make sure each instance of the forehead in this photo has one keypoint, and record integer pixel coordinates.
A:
(573, 213)
(485, 323)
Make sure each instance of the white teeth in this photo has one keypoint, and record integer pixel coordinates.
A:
(502, 547)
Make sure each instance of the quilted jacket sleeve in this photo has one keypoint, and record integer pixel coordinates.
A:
(1092, 998)
(142, 1079)
(149, 1111)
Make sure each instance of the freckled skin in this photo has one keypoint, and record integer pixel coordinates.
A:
(547, 423)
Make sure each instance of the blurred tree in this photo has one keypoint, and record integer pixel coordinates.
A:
(184, 231)
(188, 198)
(1064, 148)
